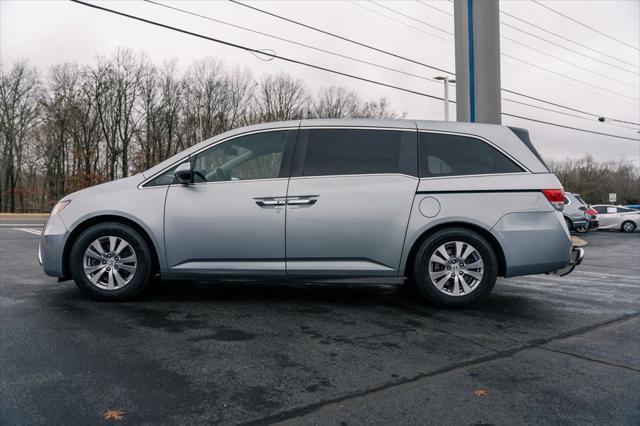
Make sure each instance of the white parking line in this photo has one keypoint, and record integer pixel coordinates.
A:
(35, 231)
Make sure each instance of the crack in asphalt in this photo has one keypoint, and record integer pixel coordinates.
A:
(586, 358)
(310, 408)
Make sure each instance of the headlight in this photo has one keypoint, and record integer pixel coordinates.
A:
(58, 207)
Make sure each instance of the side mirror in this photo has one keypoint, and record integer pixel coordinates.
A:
(183, 173)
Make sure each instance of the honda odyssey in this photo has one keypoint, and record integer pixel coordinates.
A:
(448, 206)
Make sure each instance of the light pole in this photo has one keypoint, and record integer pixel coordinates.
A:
(446, 82)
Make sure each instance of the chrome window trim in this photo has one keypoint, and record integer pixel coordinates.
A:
(355, 175)
(211, 145)
(488, 142)
(476, 175)
(480, 138)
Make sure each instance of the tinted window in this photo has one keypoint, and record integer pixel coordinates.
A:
(452, 155)
(355, 151)
(256, 156)
(580, 200)
(600, 209)
(625, 210)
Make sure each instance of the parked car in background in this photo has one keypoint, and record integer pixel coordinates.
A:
(449, 206)
(617, 217)
(577, 214)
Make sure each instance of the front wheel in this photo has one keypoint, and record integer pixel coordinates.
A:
(628, 226)
(111, 261)
(455, 267)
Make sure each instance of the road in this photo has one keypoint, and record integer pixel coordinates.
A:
(539, 350)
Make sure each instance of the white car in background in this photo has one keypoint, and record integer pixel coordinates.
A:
(617, 217)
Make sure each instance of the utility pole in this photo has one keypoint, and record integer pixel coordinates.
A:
(446, 81)
(477, 34)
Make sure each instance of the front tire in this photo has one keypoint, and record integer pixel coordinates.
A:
(455, 267)
(583, 229)
(628, 226)
(111, 261)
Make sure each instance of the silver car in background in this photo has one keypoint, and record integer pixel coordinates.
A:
(617, 217)
(448, 206)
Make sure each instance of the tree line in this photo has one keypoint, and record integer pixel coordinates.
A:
(75, 126)
(79, 125)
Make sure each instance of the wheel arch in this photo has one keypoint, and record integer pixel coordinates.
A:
(493, 241)
(86, 224)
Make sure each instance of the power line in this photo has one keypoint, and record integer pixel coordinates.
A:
(286, 40)
(503, 54)
(435, 8)
(569, 63)
(362, 6)
(248, 49)
(567, 48)
(563, 113)
(563, 126)
(393, 54)
(351, 58)
(584, 25)
(411, 17)
(567, 77)
(567, 39)
(386, 52)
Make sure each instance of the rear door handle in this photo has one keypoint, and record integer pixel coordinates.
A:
(302, 201)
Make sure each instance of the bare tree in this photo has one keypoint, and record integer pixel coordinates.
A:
(281, 97)
(20, 92)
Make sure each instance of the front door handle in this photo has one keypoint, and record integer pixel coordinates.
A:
(270, 202)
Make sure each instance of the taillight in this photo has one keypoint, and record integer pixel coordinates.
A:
(555, 197)
(592, 212)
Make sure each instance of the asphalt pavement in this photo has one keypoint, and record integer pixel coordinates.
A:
(539, 350)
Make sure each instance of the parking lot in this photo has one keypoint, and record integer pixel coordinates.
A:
(540, 350)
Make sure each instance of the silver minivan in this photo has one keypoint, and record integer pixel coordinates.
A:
(447, 206)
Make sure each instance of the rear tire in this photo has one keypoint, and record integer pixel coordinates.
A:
(583, 229)
(455, 267)
(628, 226)
(111, 261)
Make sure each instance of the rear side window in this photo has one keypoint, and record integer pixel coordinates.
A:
(357, 151)
(456, 155)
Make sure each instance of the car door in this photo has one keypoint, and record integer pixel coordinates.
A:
(231, 219)
(349, 201)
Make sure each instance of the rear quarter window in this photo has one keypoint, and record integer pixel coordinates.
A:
(458, 155)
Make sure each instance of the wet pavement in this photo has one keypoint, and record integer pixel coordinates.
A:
(540, 349)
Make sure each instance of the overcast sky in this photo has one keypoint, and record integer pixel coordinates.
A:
(49, 32)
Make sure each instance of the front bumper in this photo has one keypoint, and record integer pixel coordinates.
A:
(577, 254)
(51, 247)
(594, 224)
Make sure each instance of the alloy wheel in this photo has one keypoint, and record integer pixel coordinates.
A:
(456, 268)
(109, 263)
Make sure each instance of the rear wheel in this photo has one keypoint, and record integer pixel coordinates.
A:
(111, 261)
(628, 226)
(455, 267)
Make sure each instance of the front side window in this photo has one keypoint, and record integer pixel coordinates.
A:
(456, 155)
(624, 210)
(358, 151)
(256, 156)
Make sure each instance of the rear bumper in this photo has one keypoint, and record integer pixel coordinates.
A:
(533, 243)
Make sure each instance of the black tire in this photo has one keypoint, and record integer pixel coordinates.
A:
(144, 263)
(569, 223)
(429, 247)
(582, 229)
(628, 226)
